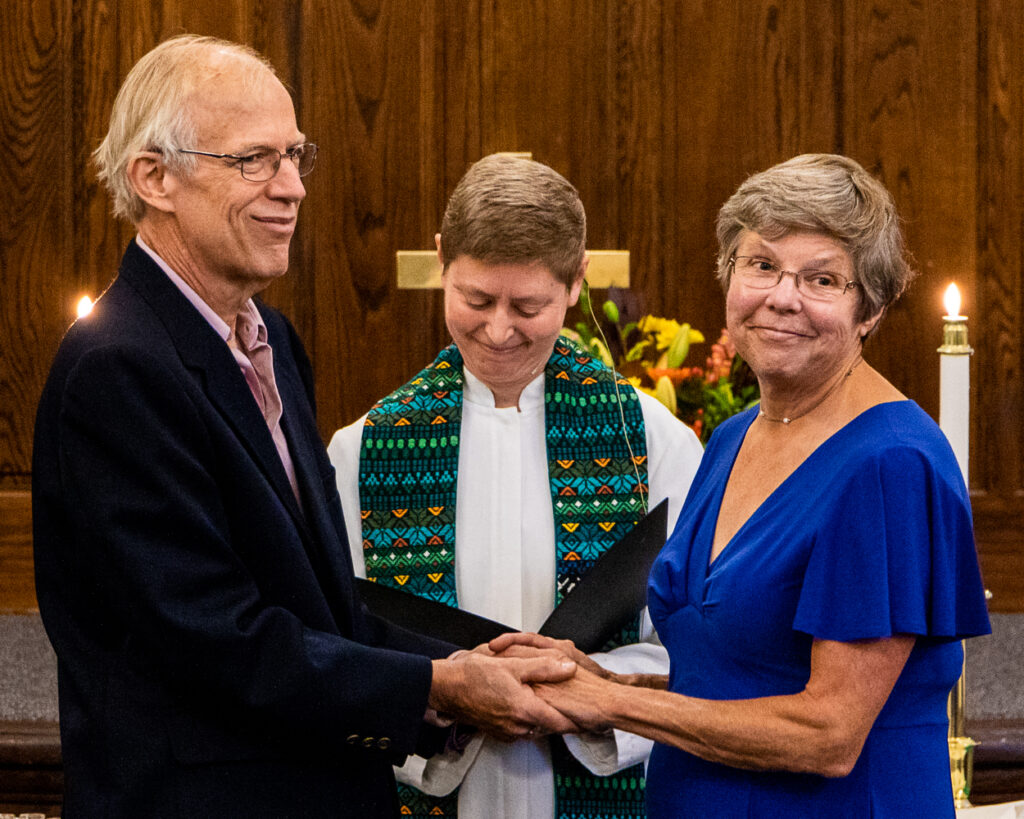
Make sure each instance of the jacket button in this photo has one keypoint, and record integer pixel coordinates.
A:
(352, 739)
(383, 743)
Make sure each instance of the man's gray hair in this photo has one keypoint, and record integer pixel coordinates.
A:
(151, 111)
(828, 194)
(512, 210)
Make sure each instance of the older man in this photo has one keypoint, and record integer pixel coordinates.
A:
(191, 567)
(520, 460)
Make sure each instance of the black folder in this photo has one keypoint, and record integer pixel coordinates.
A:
(605, 600)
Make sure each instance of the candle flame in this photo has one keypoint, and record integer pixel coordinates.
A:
(84, 306)
(952, 301)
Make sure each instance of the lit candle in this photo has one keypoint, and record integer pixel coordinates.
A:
(954, 419)
(84, 307)
(955, 379)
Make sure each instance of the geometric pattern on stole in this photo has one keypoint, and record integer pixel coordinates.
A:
(408, 478)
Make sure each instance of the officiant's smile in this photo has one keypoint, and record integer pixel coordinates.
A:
(504, 318)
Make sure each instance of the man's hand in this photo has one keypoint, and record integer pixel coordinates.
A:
(508, 645)
(495, 695)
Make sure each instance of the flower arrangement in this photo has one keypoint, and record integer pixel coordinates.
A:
(651, 352)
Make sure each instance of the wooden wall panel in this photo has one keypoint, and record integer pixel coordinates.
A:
(909, 115)
(36, 170)
(531, 77)
(999, 337)
(17, 582)
(997, 456)
(98, 42)
(376, 107)
(655, 109)
(273, 27)
(775, 100)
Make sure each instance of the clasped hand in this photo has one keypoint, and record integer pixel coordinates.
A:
(522, 685)
(496, 694)
(576, 698)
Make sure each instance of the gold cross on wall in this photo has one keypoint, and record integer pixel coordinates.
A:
(420, 269)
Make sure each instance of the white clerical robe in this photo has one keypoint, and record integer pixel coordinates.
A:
(505, 571)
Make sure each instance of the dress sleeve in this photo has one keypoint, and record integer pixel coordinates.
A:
(896, 555)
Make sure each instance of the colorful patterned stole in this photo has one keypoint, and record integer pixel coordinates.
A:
(407, 478)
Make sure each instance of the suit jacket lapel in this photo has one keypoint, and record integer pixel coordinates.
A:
(205, 353)
(303, 442)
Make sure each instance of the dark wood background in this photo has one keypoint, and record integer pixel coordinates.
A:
(655, 110)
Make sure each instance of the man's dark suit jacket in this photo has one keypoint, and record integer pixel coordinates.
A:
(213, 657)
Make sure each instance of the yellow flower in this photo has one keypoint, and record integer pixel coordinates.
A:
(663, 329)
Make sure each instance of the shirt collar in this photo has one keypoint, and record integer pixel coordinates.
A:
(477, 392)
(216, 322)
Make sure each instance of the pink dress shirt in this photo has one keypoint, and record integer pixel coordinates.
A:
(255, 357)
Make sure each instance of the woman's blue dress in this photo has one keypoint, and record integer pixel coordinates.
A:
(871, 536)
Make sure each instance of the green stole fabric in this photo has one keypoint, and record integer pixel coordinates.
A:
(408, 470)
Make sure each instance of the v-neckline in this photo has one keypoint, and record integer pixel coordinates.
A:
(709, 564)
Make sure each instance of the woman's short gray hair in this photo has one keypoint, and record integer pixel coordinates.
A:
(512, 210)
(151, 111)
(829, 194)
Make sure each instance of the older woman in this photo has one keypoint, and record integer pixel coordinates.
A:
(514, 461)
(823, 571)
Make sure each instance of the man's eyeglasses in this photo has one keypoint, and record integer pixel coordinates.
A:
(759, 273)
(262, 165)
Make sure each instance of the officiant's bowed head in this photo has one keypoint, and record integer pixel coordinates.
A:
(511, 248)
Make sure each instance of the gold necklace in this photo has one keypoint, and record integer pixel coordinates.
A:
(789, 420)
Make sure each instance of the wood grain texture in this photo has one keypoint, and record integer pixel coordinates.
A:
(36, 169)
(376, 190)
(774, 100)
(655, 109)
(998, 456)
(31, 769)
(910, 116)
(17, 581)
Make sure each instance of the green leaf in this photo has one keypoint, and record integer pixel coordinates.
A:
(679, 348)
(637, 350)
(665, 392)
(601, 351)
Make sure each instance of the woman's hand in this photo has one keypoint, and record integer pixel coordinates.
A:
(585, 699)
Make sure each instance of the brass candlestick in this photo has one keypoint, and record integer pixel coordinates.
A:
(955, 352)
(961, 746)
(954, 336)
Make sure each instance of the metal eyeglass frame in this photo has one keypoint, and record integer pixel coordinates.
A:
(797, 277)
(296, 154)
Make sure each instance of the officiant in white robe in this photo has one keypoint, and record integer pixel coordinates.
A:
(508, 282)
